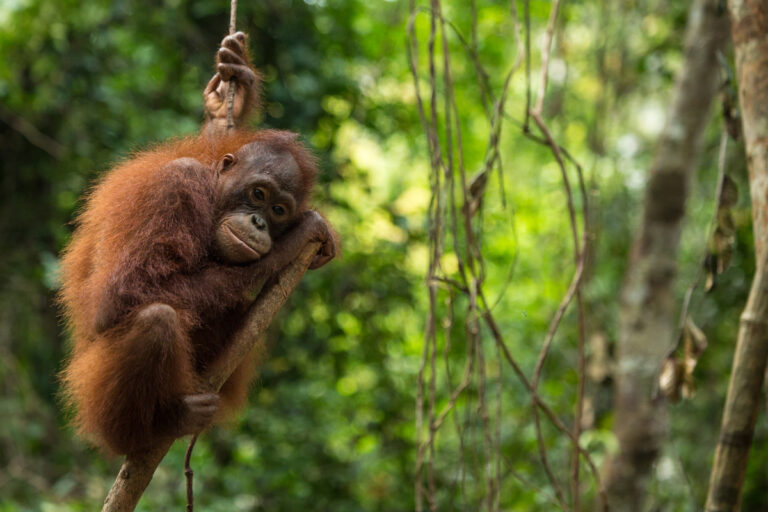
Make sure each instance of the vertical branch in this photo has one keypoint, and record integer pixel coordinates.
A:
(574, 289)
(545, 52)
(189, 473)
(470, 260)
(527, 16)
(493, 327)
(452, 116)
(412, 47)
(435, 228)
(749, 29)
(721, 176)
(466, 237)
(435, 241)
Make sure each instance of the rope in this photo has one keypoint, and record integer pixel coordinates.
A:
(230, 125)
(232, 81)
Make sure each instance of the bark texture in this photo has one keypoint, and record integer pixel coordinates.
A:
(647, 323)
(749, 28)
(138, 469)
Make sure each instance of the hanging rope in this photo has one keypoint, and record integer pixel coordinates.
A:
(232, 81)
(190, 475)
(188, 472)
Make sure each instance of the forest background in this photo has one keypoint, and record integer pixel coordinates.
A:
(333, 422)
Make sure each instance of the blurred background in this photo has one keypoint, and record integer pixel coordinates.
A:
(331, 424)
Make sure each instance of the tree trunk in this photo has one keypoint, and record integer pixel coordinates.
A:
(647, 322)
(749, 26)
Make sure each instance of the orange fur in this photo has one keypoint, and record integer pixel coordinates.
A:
(144, 236)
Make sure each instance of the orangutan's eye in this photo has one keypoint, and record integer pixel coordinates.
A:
(258, 194)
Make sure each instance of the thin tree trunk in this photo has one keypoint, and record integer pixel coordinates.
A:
(647, 323)
(749, 26)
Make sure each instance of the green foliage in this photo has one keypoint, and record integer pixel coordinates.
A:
(330, 425)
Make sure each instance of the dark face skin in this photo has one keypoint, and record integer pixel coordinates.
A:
(258, 193)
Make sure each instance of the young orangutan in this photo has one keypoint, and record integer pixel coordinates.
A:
(156, 277)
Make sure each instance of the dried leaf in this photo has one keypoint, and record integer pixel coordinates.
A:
(676, 377)
(688, 389)
(710, 269)
(695, 342)
(477, 184)
(670, 379)
(476, 191)
(722, 239)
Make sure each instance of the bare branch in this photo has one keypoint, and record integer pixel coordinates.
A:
(32, 134)
(545, 52)
(573, 291)
(749, 29)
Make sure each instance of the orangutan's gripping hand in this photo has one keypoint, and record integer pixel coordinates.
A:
(232, 61)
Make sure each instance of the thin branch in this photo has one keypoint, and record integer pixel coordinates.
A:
(527, 16)
(548, 412)
(573, 291)
(190, 474)
(412, 46)
(545, 53)
(470, 261)
(684, 310)
(32, 134)
(530, 485)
